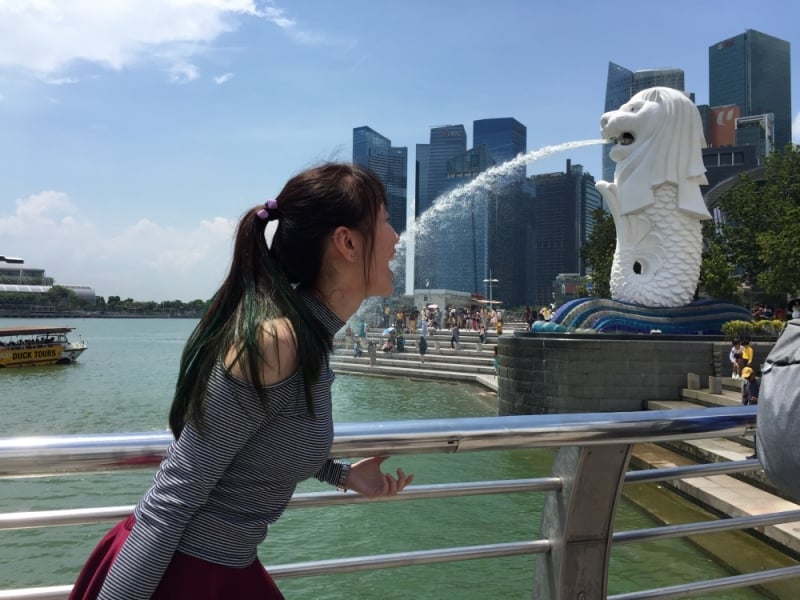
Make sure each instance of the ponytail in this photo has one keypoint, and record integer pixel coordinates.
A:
(265, 283)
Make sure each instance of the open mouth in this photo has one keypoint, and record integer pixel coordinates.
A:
(626, 139)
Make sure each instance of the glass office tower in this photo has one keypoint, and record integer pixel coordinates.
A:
(446, 142)
(509, 211)
(752, 71)
(506, 138)
(390, 164)
(564, 220)
(458, 238)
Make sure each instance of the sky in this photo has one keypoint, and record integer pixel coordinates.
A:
(135, 133)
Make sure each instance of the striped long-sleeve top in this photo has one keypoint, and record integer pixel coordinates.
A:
(215, 493)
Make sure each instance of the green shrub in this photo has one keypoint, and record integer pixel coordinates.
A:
(737, 330)
(740, 330)
(771, 329)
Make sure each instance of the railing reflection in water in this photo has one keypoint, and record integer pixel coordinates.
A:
(577, 522)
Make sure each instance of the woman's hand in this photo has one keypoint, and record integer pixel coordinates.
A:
(366, 478)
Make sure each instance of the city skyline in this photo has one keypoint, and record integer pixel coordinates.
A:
(134, 137)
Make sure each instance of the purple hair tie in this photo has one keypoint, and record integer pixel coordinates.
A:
(269, 205)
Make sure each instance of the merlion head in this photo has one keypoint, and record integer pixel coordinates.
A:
(658, 138)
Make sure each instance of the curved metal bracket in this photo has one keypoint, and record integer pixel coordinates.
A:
(579, 520)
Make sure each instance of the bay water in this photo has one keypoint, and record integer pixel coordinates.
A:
(124, 383)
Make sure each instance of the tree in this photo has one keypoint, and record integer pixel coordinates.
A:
(598, 252)
(780, 252)
(716, 272)
(760, 232)
(63, 297)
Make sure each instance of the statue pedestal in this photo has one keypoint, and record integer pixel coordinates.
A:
(577, 373)
(602, 315)
(551, 373)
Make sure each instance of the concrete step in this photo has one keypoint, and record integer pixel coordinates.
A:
(411, 361)
(416, 372)
(736, 447)
(464, 355)
(723, 494)
(706, 398)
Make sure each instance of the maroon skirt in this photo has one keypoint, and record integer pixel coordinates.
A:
(186, 577)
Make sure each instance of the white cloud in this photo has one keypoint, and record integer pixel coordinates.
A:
(58, 80)
(144, 261)
(223, 78)
(44, 36)
(796, 129)
(183, 73)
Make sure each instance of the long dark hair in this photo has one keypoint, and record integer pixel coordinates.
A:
(264, 283)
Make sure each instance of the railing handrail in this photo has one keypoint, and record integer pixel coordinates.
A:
(56, 454)
(609, 434)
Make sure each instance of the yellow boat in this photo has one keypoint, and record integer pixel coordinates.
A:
(35, 346)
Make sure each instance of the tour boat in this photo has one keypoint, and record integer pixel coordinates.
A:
(38, 345)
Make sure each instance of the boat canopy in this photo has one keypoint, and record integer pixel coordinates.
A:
(33, 330)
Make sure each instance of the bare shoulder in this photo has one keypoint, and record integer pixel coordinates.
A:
(279, 347)
(278, 351)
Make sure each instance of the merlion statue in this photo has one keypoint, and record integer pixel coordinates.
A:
(655, 199)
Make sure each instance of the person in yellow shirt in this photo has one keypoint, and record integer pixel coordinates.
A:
(747, 354)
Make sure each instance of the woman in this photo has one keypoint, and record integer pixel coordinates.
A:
(251, 413)
(735, 356)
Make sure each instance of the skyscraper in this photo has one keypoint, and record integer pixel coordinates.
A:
(390, 164)
(446, 142)
(564, 206)
(505, 138)
(622, 84)
(432, 180)
(421, 176)
(509, 208)
(455, 247)
(752, 71)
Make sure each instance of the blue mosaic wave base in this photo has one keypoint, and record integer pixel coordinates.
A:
(602, 315)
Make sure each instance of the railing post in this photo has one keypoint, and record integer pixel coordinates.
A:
(578, 520)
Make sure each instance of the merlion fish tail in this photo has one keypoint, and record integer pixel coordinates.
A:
(654, 262)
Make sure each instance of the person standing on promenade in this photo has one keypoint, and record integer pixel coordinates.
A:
(749, 387)
(372, 352)
(735, 357)
(412, 321)
(422, 346)
(348, 338)
(750, 390)
(747, 353)
(252, 414)
(455, 337)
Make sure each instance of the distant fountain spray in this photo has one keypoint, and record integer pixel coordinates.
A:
(471, 195)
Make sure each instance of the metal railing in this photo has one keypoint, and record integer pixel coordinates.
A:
(577, 521)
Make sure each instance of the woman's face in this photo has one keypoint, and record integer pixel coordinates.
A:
(379, 282)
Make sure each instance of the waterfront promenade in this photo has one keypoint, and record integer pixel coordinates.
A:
(746, 494)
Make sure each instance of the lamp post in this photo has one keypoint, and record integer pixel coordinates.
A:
(491, 281)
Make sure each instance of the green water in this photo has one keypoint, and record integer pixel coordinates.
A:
(123, 383)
